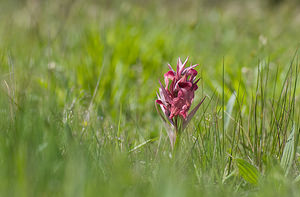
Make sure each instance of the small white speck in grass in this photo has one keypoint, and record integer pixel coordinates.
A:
(263, 40)
(51, 66)
(42, 147)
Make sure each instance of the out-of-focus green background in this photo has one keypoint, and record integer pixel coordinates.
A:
(78, 81)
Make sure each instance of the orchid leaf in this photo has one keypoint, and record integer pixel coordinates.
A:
(248, 171)
(297, 179)
(169, 127)
(229, 108)
(159, 112)
(288, 152)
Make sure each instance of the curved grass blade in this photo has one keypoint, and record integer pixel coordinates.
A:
(143, 144)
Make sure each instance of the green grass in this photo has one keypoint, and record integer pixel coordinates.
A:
(78, 82)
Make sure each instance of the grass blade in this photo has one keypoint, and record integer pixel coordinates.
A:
(142, 144)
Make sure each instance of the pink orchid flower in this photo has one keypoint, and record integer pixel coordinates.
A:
(175, 99)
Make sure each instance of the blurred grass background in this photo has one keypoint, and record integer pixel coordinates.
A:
(78, 82)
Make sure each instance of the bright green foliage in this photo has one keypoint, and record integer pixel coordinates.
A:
(247, 171)
(77, 90)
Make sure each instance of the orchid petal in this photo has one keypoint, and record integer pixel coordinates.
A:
(159, 102)
(184, 63)
(170, 67)
(168, 75)
(180, 66)
(192, 72)
(164, 92)
(191, 114)
(195, 87)
(196, 81)
(189, 68)
(185, 84)
(179, 63)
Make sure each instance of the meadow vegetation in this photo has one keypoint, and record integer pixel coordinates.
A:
(78, 81)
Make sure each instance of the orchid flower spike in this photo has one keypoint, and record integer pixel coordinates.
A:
(176, 97)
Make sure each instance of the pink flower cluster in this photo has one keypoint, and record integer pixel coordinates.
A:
(175, 98)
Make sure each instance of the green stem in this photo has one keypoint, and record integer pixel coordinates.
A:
(178, 133)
